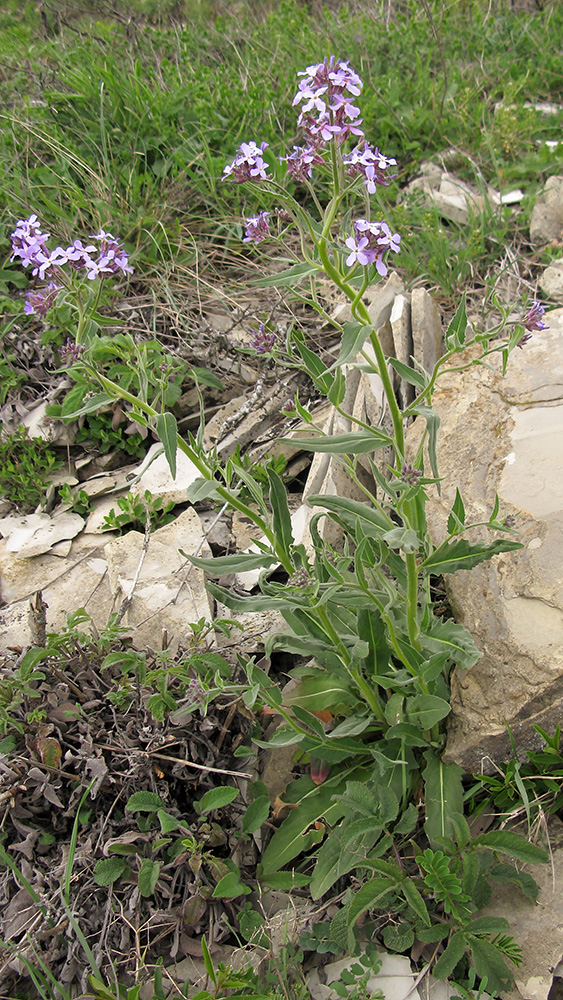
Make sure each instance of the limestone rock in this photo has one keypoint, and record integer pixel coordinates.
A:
(168, 593)
(428, 340)
(154, 475)
(504, 436)
(551, 281)
(34, 534)
(546, 223)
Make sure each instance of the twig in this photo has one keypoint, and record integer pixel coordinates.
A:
(174, 760)
(126, 602)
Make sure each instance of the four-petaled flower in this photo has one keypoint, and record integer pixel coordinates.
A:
(248, 164)
(371, 241)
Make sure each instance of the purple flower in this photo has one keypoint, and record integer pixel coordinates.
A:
(70, 352)
(533, 320)
(328, 111)
(263, 340)
(41, 301)
(372, 240)
(301, 578)
(369, 163)
(410, 475)
(248, 164)
(301, 161)
(257, 228)
(361, 253)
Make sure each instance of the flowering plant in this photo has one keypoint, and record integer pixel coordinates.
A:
(369, 705)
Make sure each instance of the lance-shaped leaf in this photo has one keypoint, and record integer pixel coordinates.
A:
(319, 692)
(506, 842)
(291, 276)
(313, 805)
(457, 330)
(411, 375)
(167, 430)
(354, 336)
(259, 602)
(281, 518)
(352, 443)
(461, 554)
(456, 520)
(427, 710)
(238, 562)
(432, 425)
(443, 796)
(456, 640)
(73, 406)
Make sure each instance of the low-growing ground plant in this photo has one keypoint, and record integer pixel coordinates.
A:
(25, 467)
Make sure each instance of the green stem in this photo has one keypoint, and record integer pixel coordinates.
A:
(226, 495)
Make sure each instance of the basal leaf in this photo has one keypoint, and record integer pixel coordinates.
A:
(319, 692)
(108, 870)
(144, 801)
(443, 795)
(448, 636)
(230, 887)
(256, 814)
(238, 562)
(427, 710)
(508, 873)
(216, 798)
(148, 876)
(281, 517)
(506, 842)
(448, 960)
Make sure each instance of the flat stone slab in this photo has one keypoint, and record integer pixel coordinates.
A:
(505, 436)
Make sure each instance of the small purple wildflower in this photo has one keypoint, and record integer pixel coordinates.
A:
(70, 352)
(510, 521)
(263, 340)
(301, 578)
(41, 301)
(194, 691)
(30, 245)
(328, 111)
(370, 242)
(524, 340)
(370, 164)
(257, 228)
(410, 475)
(301, 161)
(248, 164)
(533, 320)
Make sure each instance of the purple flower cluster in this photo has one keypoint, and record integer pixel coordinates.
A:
(263, 340)
(370, 242)
(30, 245)
(41, 301)
(370, 164)
(257, 228)
(248, 164)
(301, 161)
(410, 475)
(70, 352)
(533, 321)
(327, 92)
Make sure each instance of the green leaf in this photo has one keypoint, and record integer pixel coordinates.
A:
(148, 876)
(443, 795)
(370, 896)
(448, 636)
(415, 900)
(201, 489)
(427, 710)
(167, 430)
(167, 821)
(216, 798)
(504, 873)
(405, 539)
(205, 377)
(455, 334)
(352, 443)
(291, 276)
(71, 408)
(236, 563)
(461, 554)
(337, 390)
(256, 814)
(399, 937)
(320, 692)
(453, 954)
(314, 804)
(354, 336)
(410, 375)
(456, 519)
(336, 857)
(489, 962)
(260, 602)
(284, 880)
(512, 844)
(144, 802)
(281, 518)
(108, 870)
(432, 425)
(372, 630)
(230, 886)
